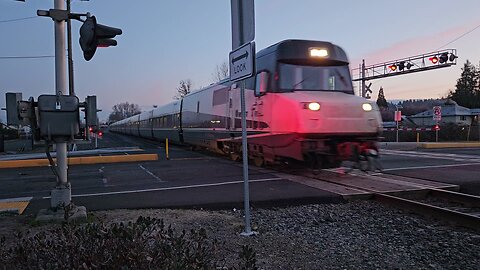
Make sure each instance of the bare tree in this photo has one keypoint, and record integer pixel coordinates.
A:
(123, 110)
(184, 88)
(221, 72)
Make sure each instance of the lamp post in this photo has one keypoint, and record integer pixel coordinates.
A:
(398, 116)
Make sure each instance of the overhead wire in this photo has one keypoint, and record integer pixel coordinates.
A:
(26, 57)
(464, 34)
(18, 19)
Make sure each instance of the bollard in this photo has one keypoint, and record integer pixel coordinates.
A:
(418, 137)
(166, 148)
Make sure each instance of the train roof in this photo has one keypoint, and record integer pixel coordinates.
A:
(294, 49)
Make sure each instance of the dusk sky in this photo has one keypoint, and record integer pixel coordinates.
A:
(165, 41)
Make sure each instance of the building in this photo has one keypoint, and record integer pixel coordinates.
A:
(451, 112)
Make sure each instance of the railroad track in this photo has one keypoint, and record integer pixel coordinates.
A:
(449, 206)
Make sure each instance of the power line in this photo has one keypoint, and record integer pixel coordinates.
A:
(476, 27)
(27, 57)
(19, 19)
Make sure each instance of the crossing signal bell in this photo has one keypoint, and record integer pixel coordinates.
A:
(93, 35)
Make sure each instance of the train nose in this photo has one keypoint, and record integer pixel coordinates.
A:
(348, 114)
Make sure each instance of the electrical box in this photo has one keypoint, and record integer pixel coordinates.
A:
(91, 118)
(59, 117)
(11, 100)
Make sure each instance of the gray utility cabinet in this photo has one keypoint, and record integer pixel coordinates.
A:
(59, 116)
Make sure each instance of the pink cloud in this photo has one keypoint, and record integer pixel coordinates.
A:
(415, 46)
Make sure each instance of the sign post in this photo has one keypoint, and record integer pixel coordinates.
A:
(437, 116)
(242, 66)
(398, 118)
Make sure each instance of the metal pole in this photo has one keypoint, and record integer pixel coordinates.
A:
(71, 90)
(363, 78)
(246, 190)
(60, 89)
(397, 130)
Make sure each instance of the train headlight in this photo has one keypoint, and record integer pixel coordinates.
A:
(313, 106)
(367, 107)
(318, 52)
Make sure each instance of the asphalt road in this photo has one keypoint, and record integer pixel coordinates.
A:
(200, 180)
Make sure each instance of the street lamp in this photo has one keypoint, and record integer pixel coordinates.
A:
(398, 116)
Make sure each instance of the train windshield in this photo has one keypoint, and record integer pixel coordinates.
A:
(314, 78)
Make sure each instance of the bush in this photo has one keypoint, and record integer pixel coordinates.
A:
(144, 244)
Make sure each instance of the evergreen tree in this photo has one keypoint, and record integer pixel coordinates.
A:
(381, 101)
(467, 92)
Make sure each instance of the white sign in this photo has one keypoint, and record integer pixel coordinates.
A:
(242, 62)
(437, 113)
(243, 22)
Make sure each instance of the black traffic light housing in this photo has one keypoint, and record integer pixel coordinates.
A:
(93, 35)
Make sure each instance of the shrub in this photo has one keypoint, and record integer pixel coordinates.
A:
(144, 244)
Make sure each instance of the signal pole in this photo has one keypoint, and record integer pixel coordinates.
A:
(62, 194)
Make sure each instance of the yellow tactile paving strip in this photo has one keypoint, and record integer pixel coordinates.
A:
(19, 206)
(78, 160)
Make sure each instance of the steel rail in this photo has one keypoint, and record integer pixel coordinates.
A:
(441, 213)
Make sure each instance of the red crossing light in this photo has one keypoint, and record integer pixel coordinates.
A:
(436, 127)
(100, 134)
(433, 59)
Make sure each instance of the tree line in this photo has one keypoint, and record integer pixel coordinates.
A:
(124, 110)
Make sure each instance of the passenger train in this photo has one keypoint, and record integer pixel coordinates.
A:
(300, 105)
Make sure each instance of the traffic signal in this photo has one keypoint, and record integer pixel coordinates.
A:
(93, 35)
(401, 65)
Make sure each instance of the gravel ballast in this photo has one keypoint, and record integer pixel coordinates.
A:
(355, 235)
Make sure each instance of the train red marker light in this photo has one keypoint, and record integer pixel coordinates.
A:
(314, 106)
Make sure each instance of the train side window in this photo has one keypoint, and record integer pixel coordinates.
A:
(261, 83)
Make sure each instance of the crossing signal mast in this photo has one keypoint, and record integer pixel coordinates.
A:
(423, 62)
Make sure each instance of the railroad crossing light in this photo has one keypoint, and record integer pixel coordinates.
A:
(100, 134)
(392, 67)
(401, 65)
(443, 58)
(436, 127)
(93, 35)
(452, 57)
(433, 59)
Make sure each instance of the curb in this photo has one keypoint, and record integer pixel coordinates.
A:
(14, 205)
(78, 160)
(449, 145)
